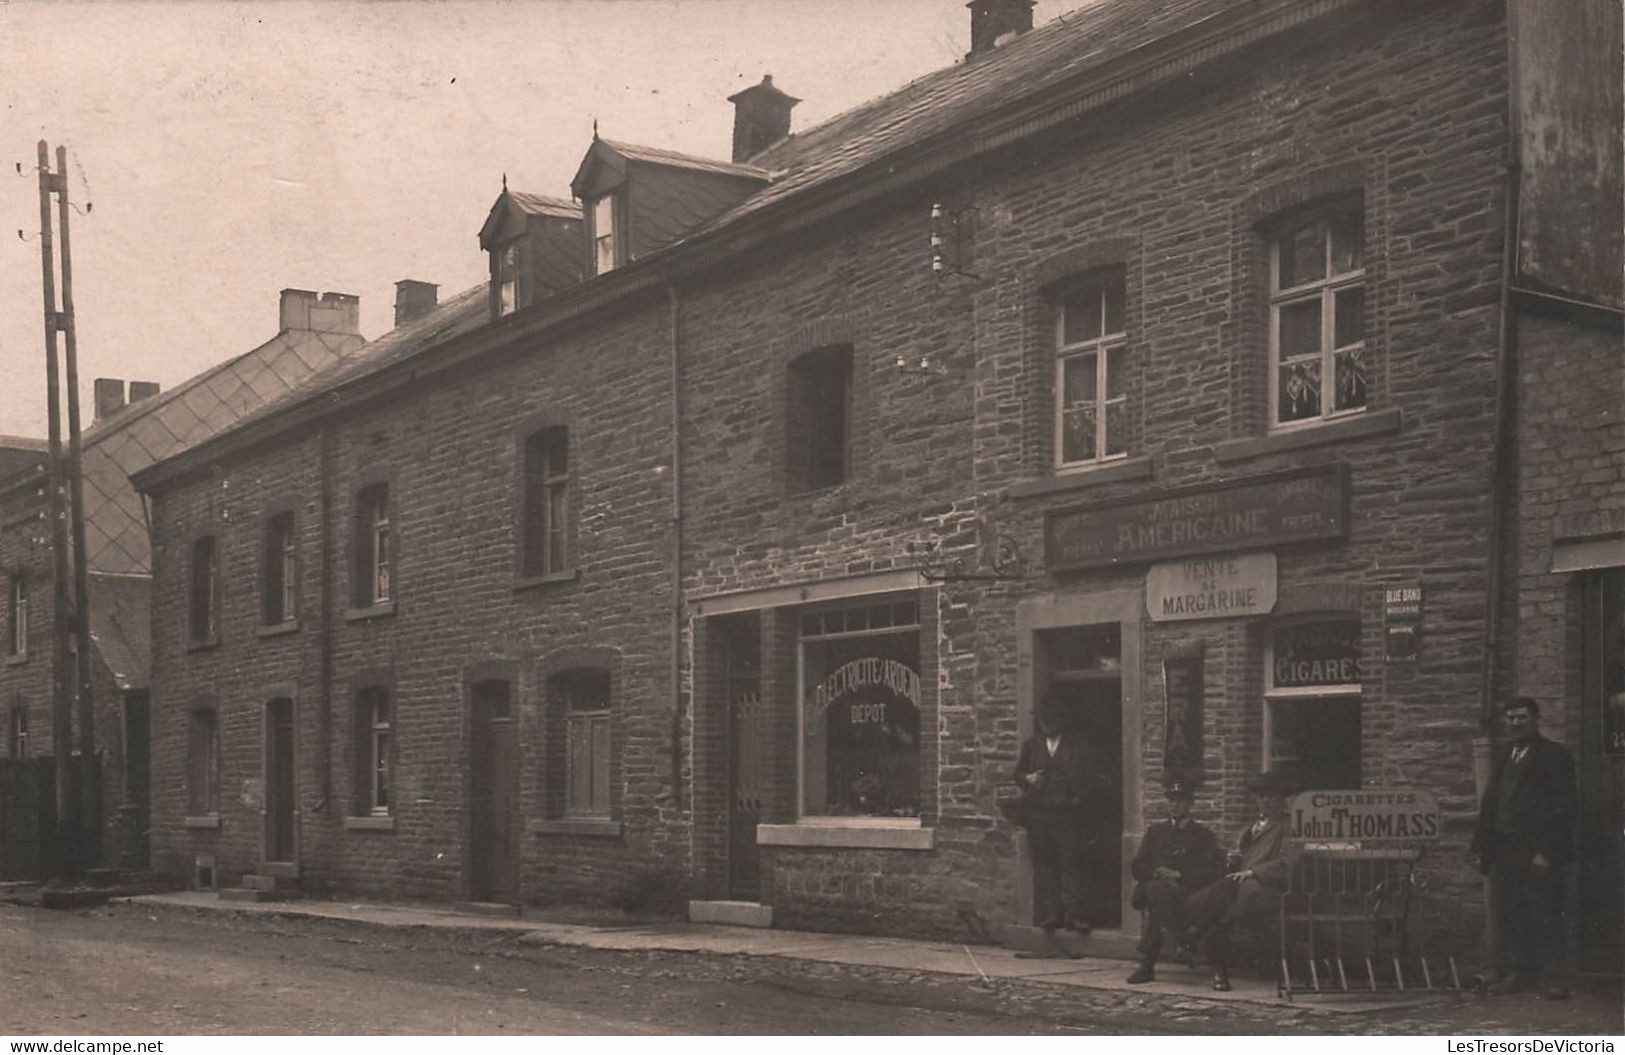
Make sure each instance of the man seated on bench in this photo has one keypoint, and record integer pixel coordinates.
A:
(1177, 859)
(1255, 877)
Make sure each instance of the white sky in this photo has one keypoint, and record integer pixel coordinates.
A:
(230, 151)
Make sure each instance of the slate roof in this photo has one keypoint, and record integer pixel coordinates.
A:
(120, 626)
(657, 156)
(542, 205)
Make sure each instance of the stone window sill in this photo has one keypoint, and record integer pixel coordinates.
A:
(279, 629)
(531, 582)
(854, 835)
(380, 823)
(601, 828)
(381, 610)
(210, 821)
(16, 659)
(203, 645)
(1359, 427)
(1121, 471)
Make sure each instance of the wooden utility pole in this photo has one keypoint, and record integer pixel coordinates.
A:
(61, 699)
(88, 781)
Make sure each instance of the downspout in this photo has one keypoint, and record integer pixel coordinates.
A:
(676, 549)
(325, 637)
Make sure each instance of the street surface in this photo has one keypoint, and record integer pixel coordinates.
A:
(141, 969)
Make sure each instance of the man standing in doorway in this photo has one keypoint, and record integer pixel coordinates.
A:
(1523, 840)
(1052, 772)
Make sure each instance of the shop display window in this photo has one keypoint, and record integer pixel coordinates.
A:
(860, 712)
(1312, 700)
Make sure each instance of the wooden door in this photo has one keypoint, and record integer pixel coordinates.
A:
(281, 801)
(492, 872)
(1601, 759)
(747, 755)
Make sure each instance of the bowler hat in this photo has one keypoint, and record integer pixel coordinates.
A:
(1275, 781)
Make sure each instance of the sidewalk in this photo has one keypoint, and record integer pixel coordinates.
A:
(983, 961)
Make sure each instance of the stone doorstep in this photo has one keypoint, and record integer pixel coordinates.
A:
(731, 913)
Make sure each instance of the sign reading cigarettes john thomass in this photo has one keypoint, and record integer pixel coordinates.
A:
(1365, 816)
(1255, 513)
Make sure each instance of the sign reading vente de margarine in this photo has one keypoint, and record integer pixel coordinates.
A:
(1225, 587)
(1367, 815)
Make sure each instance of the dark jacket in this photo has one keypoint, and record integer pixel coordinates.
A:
(1066, 785)
(1269, 854)
(1192, 851)
(1542, 806)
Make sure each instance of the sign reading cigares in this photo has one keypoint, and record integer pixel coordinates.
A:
(1258, 512)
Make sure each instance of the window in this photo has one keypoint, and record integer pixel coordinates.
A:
(818, 433)
(372, 735)
(17, 615)
(205, 584)
(17, 740)
(1317, 319)
(545, 533)
(860, 711)
(507, 279)
(1091, 365)
(583, 697)
(1312, 700)
(281, 571)
(203, 764)
(374, 548)
(606, 250)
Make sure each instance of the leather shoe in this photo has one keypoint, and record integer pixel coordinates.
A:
(1512, 983)
(1221, 981)
(1142, 974)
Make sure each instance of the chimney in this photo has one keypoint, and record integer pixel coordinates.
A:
(109, 397)
(996, 22)
(328, 313)
(140, 390)
(414, 299)
(761, 118)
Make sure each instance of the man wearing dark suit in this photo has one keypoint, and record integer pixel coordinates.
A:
(1523, 839)
(1053, 772)
(1177, 858)
(1256, 874)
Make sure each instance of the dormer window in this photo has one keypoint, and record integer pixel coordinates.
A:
(605, 240)
(507, 276)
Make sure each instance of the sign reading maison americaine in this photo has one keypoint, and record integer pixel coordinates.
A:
(1262, 511)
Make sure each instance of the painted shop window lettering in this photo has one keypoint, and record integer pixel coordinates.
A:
(860, 713)
(1312, 708)
(1091, 368)
(1317, 318)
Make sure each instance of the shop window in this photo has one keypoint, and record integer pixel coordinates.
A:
(374, 547)
(372, 752)
(545, 531)
(281, 578)
(17, 738)
(582, 696)
(203, 763)
(1317, 318)
(860, 712)
(1091, 370)
(1312, 700)
(203, 615)
(818, 440)
(17, 615)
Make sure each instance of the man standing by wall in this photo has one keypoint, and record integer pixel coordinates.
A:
(1523, 840)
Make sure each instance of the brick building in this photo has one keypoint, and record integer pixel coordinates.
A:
(1147, 358)
(130, 430)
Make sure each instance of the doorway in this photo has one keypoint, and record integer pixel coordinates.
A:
(492, 875)
(747, 752)
(1602, 773)
(281, 794)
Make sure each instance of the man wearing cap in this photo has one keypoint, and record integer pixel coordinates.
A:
(1052, 771)
(1523, 839)
(1255, 875)
(1177, 858)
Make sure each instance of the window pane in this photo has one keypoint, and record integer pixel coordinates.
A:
(1346, 237)
(556, 523)
(600, 765)
(861, 755)
(580, 763)
(1303, 255)
(1116, 371)
(1080, 314)
(1317, 740)
(1299, 323)
(1348, 316)
(1300, 391)
(1114, 304)
(1350, 379)
(1078, 433)
(1116, 427)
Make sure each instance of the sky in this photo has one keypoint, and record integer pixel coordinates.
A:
(219, 153)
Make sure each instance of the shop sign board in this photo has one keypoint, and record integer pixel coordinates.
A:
(1402, 621)
(1254, 513)
(1220, 587)
(1366, 816)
